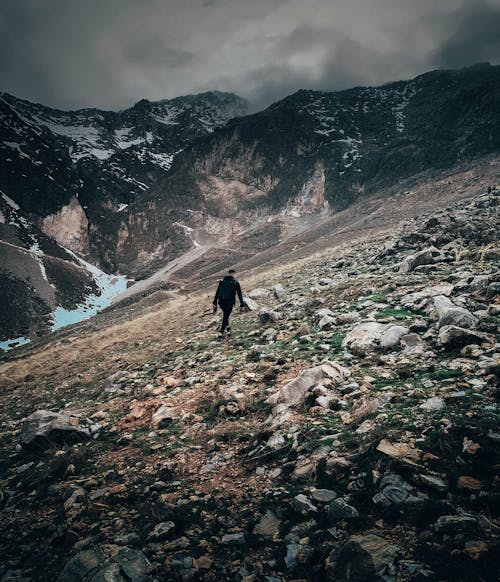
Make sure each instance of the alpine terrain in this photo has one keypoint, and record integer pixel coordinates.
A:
(345, 429)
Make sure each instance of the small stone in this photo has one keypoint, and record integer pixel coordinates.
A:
(455, 524)
(163, 416)
(236, 539)
(434, 482)
(162, 531)
(434, 403)
(339, 509)
(323, 495)
(467, 482)
(302, 505)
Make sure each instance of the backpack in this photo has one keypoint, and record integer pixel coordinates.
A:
(227, 289)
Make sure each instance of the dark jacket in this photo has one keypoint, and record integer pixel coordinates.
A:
(226, 291)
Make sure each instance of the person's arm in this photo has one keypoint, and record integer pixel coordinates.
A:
(216, 295)
(240, 296)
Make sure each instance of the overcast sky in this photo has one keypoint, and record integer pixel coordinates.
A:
(111, 53)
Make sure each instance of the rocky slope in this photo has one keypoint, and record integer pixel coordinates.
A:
(346, 431)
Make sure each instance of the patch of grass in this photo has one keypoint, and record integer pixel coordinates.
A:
(396, 313)
(446, 374)
(336, 341)
(376, 297)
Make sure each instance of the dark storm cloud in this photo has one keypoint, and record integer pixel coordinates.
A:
(110, 53)
(475, 37)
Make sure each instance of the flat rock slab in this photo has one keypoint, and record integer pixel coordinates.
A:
(43, 428)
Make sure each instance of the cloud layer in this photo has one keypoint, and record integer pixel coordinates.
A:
(111, 53)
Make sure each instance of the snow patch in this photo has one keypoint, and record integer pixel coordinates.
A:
(110, 285)
(123, 143)
(9, 201)
(163, 160)
(13, 343)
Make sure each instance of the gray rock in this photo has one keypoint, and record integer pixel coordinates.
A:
(259, 293)
(434, 403)
(236, 539)
(92, 566)
(291, 555)
(163, 416)
(451, 336)
(326, 322)
(250, 303)
(493, 289)
(391, 336)
(279, 291)
(349, 317)
(371, 335)
(394, 490)
(455, 524)
(427, 256)
(294, 392)
(82, 565)
(434, 482)
(301, 504)
(323, 495)
(43, 428)
(451, 314)
(363, 558)
(338, 509)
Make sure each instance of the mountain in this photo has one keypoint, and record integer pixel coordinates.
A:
(190, 177)
(66, 184)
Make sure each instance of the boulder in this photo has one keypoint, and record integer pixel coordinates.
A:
(81, 565)
(43, 428)
(279, 291)
(259, 293)
(93, 566)
(450, 314)
(391, 336)
(363, 558)
(455, 524)
(294, 392)
(371, 335)
(427, 256)
(250, 303)
(452, 336)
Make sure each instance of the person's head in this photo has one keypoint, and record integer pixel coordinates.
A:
(231, 272)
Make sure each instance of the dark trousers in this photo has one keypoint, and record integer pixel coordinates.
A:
(226, 312)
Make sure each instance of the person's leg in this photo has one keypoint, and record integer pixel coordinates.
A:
(226, 311)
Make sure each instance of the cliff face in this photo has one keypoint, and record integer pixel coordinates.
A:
(354, 142)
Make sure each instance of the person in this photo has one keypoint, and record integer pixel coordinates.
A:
(225, 296)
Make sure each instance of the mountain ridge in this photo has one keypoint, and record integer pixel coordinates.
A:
(131, 198)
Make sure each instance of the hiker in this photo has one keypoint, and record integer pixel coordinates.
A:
(225, 296)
